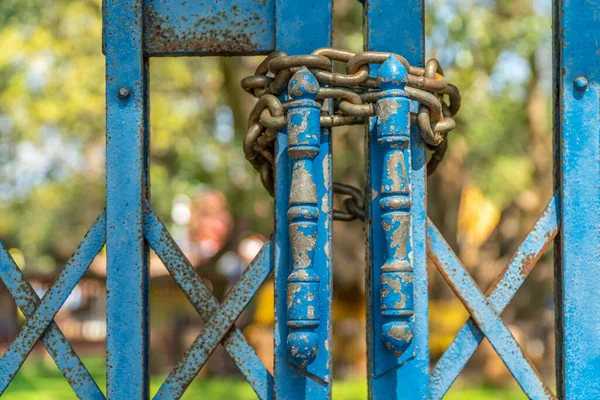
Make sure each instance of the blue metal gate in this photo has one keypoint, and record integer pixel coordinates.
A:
(299, 252)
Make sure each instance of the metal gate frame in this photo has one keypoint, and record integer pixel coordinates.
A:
(134, 30)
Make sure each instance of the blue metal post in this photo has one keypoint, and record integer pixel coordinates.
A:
(577, 62)
(126, 192)
(301, 27)
(397, 338)
(303, 297)
(397, 278)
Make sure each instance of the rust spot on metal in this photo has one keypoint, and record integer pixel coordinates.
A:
(216, 34)
(303, 188)
(301, 246)
(386, 109)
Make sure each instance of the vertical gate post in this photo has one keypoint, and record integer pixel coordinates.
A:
(577, 141)
(301, 27)
(397, 369)
(126, 190)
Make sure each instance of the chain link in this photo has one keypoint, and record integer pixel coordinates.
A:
(351, 96)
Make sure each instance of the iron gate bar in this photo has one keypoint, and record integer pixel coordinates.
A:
(134, 29)
(396, 27)
(458, 354)
(208, 27)
(301, 27)
(205, 303)
(482, 312)
(53, 339)
(127, 134)
(577, 141)
(34, 328)
(217, 326)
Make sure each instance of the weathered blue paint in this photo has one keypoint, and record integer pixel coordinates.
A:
(301, 27)
(397, 277)
(19, 349)
(303, 300)
(300, 251)
(204, 27)
(217, 326)
(206, 304)
(499, 295)
(390, 376)
(485, 316)
(53, 339)
(126, 191)
(577, 28)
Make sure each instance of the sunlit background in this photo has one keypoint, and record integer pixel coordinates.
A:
(485, 196)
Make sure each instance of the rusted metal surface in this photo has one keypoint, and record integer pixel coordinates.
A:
(397, 277)
(208, 307)
(499, 296)
(292, 138)
(127, 147)
(301, 27)
(396, 28)
(485, 316)
(217, 326)
(40, 319)
(577, 145)
(304, 137)
(53, 339)
(352, 103)
(208, 27)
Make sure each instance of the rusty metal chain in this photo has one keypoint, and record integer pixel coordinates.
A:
(351, 96)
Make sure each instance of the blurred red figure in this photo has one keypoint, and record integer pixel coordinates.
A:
(210, 226)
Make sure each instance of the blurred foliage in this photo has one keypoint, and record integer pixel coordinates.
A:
(52, 126)
(52, 114)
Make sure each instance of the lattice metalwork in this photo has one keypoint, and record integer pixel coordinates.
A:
(486, 309)
(299, 253)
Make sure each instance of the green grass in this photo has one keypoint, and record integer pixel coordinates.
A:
(40, 380)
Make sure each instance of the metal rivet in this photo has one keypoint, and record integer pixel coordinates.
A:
(123, 92)
(581, 83)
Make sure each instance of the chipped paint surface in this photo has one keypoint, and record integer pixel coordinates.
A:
(301, 27)
(207, 306)
(577, 164)
(203, 27)
(304, 131)
(396, 278)
(499, 295)
(219, 321)
(41, 323)
(485, 316)
(127, 157)
(303, 185)
(396, 186)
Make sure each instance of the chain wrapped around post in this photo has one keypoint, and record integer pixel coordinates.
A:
(353, 96)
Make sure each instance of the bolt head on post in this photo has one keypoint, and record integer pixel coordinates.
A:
(123, 92)
(581, 83)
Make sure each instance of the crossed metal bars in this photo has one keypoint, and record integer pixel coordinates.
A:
(220, 319)
(485, 310)
(40, 315)
(484, 321)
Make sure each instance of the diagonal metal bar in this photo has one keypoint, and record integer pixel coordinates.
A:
(499, 296)
(204, 302)
(485, 317)
(66, 280)
(53, 340)
(217, 326)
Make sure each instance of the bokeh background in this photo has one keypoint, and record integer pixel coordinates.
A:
(485, 196)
